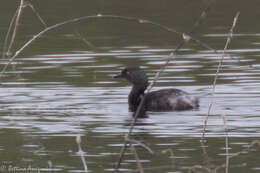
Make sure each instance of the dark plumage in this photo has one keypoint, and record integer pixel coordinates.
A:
(161, 100)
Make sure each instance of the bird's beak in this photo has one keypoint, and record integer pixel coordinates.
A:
(118, 76)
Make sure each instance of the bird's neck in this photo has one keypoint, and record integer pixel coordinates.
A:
(135, 96)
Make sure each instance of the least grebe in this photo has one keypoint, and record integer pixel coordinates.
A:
(162, 100)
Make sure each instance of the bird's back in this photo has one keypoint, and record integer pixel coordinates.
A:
(170, 100)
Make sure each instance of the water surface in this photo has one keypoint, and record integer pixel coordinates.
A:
(60, 87)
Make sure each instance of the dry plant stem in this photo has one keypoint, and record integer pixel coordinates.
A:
(136, 114)
(7, 35)
(186, 39)
(37, 14)
(217, 72)
(15, 18)
(81, 152)
(123, 149)
(246, 150)
(206, 160)
(223, 115)
(255, 142)
(50, 165)
(219, 167)
(16, 24)
(138, 162)
(170, 57)
(202, 17)
(169, 150)
(99, 16)
(152, 169)
(84, 40)
(139, 143)
(193, 168)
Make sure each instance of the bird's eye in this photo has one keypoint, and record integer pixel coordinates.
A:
(126, 72)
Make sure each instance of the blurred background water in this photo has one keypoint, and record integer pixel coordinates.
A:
(61, 87)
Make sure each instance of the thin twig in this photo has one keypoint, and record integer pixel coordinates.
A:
(36, 13)
(84, 40)
(217, 72)
(99, 16)
(193, 168)
(139, 143)
(255, 142)
(219, 167)
(5, 52)
(223, 115)
(16, 24)
(81, 152)
(15, 18)
(206, 159)
(246, 150)
(186, 38)
(169, 150)
(123, 149)
(138, 162)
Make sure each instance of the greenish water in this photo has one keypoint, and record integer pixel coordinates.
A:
(60, 87)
